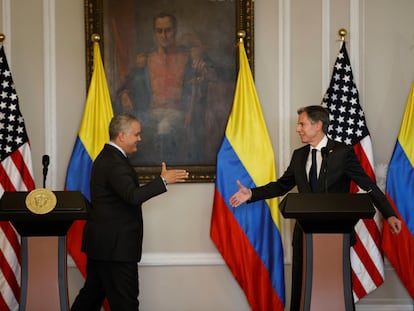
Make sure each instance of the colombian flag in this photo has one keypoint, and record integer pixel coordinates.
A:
(248, 237)
(399, 189)
(92, 136)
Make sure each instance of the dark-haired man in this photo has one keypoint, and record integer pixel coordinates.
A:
(342, 166)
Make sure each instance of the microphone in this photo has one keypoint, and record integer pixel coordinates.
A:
(45, 162)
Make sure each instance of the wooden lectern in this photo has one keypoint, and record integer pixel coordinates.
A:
(43, 242)
(327, 219)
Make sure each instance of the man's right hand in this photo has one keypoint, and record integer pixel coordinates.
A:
(244, 194)
(173, 176)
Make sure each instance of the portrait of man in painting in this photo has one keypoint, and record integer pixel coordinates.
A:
(172, 64)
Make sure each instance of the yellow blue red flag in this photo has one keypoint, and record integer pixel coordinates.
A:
(92, 136)
(399, 188)
(248, 237)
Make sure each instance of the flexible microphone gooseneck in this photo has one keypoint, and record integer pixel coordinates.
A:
(45, 162)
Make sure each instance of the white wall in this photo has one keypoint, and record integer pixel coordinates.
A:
(296, 45)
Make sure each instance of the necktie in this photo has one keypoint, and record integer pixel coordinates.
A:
(313, 174)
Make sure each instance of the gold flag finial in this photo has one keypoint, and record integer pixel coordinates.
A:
(2, 37)
(241, 34)
(95, 37)
(342, 33)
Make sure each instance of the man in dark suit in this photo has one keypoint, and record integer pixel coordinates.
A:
(336, 163)
(112, 238)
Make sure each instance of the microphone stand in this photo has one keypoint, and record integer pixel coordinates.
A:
(45, 162)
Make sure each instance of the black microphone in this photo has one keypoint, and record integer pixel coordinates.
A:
(45, 162)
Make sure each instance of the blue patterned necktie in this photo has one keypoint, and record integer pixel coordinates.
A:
(313, 174)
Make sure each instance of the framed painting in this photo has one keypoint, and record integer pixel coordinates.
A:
(173, 64)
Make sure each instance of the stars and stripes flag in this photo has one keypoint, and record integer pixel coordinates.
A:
(16, 174)
(249, 236)
(399, 189)
(92, 136)
(348, 125)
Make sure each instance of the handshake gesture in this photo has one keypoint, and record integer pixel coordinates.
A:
(173, 176)
(244, 194)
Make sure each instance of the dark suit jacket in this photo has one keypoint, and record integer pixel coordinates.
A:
(338, 168)
(114, 229)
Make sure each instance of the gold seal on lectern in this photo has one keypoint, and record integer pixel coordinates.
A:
(41, 201)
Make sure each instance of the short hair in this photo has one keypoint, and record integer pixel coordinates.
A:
(172, 18)
(120, 123)
(317, 113)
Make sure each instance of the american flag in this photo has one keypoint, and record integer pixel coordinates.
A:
(15, 175)
(348, 125)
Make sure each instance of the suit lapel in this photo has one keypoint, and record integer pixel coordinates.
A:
(324, 165)
(303, 158)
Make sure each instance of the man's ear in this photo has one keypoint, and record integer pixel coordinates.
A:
(121, 136)
(319, 124)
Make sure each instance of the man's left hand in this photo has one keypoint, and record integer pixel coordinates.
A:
(395, 224)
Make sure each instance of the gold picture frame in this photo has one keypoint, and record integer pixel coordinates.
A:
(127, 25)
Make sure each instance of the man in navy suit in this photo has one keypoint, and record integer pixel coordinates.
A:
(112, 238)
(340, 165)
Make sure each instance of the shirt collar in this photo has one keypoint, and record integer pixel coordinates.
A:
(322, 143)
(117, 147)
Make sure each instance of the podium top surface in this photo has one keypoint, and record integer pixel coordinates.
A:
(325, 206)
(70, 205)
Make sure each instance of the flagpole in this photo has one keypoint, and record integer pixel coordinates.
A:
(241, 34)
(232, 232)
(342, 34)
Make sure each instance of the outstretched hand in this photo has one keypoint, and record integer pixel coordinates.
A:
(173, 176)
(244, 194)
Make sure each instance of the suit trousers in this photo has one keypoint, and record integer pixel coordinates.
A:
(297, 271)
(117, 281)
